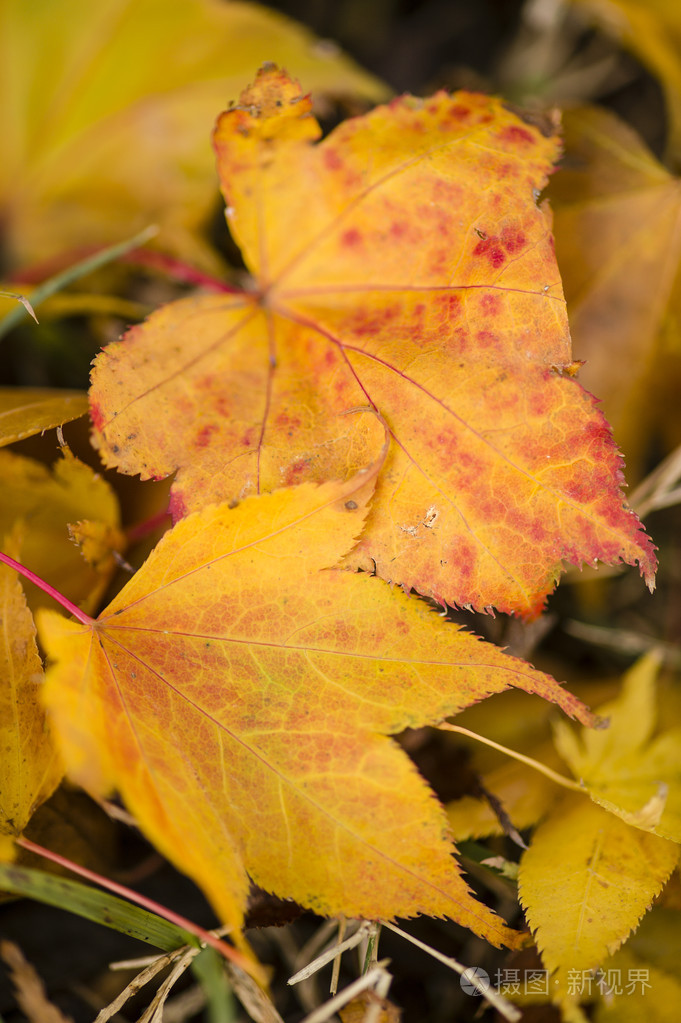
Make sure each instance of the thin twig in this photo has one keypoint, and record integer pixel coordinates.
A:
(494, 997)
(325, 1011)
(330, 954)
(559, 779)
(333, 987)
(72, 273)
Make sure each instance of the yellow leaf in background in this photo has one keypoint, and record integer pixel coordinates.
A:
(45, 501)
(525, 796)
(635, 990)
(26, 411)
(658, 940)
(30, 767)
(585, 882)
(107, 109)
(97, 542)
(616, 221)
(651, 29)
(626, 768)
(7, 849)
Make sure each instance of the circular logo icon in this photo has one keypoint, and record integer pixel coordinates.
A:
(474, 981)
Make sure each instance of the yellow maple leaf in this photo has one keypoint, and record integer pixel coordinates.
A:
(240, 697)
(403, 262)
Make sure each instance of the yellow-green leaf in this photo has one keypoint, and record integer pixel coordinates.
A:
(46, 501)
(26, 411)
(585, 882)
(30, 767)
(625, 768)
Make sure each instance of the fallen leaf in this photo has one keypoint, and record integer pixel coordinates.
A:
(45, 501)
(633, 989)
(25, 411)
(240, 698)
(402, 262)
(626, 768)
(609, 875)
(617, 215)
(105, 110)
(31, 769)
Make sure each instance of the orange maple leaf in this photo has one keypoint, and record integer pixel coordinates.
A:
(403, 263)
(241, 700)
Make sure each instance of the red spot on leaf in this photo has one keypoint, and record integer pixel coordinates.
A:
(295, 472)
(451, 306)
(372, 321)
(464, 559)
(446, 192)
(204, 435)
(332, 160)
(516, 135)
(536, 532)
(285, 420)
(351, 238)
(490, 249)
(541, 403)
(485, 338)
(460, 113)
(445, 440)
(579, 490)
(513, 240)
(97, 416)
(176, 507)
(490, 305)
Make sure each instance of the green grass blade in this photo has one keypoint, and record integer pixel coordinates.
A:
(102, 908)
(61, 280)
(209, 970)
